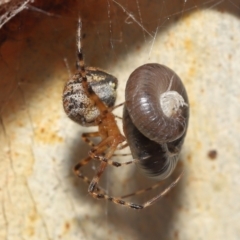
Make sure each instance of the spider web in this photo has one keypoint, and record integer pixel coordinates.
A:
(40, 196)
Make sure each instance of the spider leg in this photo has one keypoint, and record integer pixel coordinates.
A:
(117, 106)
(164, 192)
(121, 155)
(94, 185)
(148, 188)
(101, 147)
(86, 136)
(123, 146)
(103, 165)
(143, 190)
(97, 153)
(113, 108)
(79, 174)
(117, 117)
(102, 158)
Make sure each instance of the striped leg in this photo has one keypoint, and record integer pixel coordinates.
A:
(117, 106)
(102, 158)
(86, 136)
(143, 190)
(122, 146)
(99, 149)
(97, 153)
(117, 117)
(94, 185)
(122, 154)
(79, 174)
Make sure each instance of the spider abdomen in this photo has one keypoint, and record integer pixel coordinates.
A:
(155, 118)
(76, 101)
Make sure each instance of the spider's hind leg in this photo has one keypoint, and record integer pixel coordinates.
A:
(118, 200)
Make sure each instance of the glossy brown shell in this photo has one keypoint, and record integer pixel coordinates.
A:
(154, 138)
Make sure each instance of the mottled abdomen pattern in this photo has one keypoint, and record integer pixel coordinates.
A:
(76, 103)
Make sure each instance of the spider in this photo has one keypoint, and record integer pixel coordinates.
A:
(88, 99)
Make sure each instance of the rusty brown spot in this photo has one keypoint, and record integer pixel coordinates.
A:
(138, 47)
(212, 154)
(176, 235)
(189, 158)
(67, 226)
(49, 136)
(20, 124)
(188, 44)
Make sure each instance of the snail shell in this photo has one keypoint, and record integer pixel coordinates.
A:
(78, 106)
(155, 118)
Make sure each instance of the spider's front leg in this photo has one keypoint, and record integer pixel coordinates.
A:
(79, 174)
(98, 152)
(86, 136)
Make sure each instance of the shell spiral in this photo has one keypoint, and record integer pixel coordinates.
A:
(155, 118)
